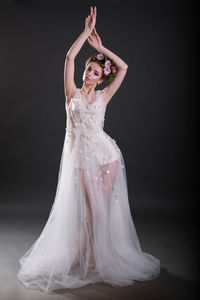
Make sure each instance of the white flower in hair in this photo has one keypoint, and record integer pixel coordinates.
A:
(108, 63)
(100, 56)
(107, 70)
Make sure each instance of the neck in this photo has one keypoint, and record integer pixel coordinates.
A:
(88, 89)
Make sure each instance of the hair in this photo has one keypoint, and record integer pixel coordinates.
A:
(93, 58)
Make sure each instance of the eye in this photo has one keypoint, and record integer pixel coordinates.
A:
(96, 74)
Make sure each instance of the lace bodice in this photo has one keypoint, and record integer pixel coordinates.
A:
(83, 117)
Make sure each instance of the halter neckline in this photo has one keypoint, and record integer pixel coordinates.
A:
(87, 94)
(86, 97)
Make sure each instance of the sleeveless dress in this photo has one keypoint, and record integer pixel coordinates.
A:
(89, 236)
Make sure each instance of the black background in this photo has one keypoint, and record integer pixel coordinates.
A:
(152, 116)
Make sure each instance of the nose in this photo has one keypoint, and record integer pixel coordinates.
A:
(88, 74)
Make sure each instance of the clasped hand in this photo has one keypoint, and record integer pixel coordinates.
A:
(93, 38)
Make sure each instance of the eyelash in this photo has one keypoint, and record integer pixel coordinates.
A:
(94, 73)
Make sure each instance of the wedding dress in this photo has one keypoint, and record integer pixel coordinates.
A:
(89, 236)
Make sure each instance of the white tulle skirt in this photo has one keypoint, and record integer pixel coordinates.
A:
(89, 236)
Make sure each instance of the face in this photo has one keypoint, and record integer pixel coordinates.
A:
(92, 74)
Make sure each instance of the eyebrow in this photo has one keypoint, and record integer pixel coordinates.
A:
(95, 70)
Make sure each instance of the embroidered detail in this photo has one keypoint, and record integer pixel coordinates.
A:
(107, 171)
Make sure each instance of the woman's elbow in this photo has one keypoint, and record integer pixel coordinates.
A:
(69, 56)
(124, 67)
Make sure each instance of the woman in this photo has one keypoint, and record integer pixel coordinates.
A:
(90, 235)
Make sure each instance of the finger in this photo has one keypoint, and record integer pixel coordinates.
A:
(96, 32)
(93, 20)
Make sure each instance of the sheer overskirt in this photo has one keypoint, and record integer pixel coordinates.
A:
(89, 236)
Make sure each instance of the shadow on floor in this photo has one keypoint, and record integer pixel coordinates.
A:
(166, 287)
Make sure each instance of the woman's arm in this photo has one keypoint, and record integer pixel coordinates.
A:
(69, 84)
(77, 45)
(120, 64)
(95, 41)
(114, 85)
(69, 67)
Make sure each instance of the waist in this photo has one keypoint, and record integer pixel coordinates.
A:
(81, 131)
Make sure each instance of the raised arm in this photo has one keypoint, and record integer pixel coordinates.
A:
(95, 41)
(69, 84)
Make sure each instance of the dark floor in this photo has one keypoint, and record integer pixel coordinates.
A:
(169, 236)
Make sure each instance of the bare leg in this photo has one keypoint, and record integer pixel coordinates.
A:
(109, 172)
(88, 221)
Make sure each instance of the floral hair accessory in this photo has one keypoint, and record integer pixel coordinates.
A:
(109, 67)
